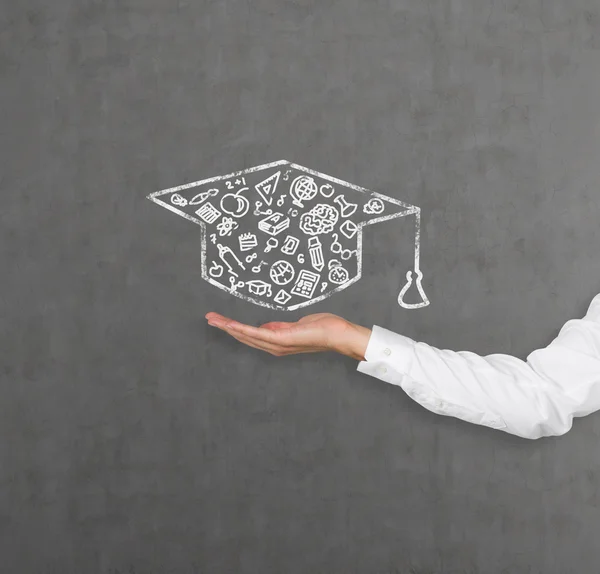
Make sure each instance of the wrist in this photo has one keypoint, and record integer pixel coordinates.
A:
(357, 341)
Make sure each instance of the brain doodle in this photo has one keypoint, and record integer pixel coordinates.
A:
(320, 219)
(283, 236)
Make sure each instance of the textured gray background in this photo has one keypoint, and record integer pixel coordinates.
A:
(134, 438)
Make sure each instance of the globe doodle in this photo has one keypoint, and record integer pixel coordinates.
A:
(281, 272)
(303, 188)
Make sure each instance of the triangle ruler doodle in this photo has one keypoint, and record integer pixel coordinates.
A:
(268, 187)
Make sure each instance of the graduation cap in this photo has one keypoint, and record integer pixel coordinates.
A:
(283, 236)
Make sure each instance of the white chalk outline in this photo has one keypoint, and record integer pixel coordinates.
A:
(237, 195)
(409, 210)
(268, 200)
(286, 262)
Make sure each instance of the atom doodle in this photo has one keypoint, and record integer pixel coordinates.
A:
(226, 226)
(284, 236)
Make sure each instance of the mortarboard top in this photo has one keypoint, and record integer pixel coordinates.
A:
(284, 236)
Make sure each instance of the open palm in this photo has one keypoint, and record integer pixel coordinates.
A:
(313, 333)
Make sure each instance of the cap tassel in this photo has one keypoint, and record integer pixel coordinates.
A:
(424, 301)
(409, 275)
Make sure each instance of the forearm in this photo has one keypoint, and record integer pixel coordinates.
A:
(533, 398)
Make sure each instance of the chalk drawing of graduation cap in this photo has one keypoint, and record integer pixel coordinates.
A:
(284, 236)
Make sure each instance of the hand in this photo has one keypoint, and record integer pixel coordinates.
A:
(313, 333)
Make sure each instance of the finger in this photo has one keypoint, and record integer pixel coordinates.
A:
(215, 319)
(219, 324)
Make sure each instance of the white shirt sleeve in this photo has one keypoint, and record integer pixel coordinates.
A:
(533, 398)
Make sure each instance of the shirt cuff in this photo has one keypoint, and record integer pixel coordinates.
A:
(388, 356)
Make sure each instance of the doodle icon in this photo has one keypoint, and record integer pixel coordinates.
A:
(290, 245)
(374, 206)
(179, 200)
(281, 272)
(305, 284)
(336, 247)
(235, 204)
(228, 256)
(258, 287)
(274, 224)
(349, 229)
(282, 297)
(315, 249)
(235, 284)
(226, 226)
(268, 187)
(337, 273)
(215, 270)
(247, 241)
(203, 196)
(272, 243)
(257, 268)
(258, 209)
(303, 188)
(327, 190)
(208, 212)
(346, 209)
(320, 219)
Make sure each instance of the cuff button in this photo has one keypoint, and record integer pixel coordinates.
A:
(387, 352)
